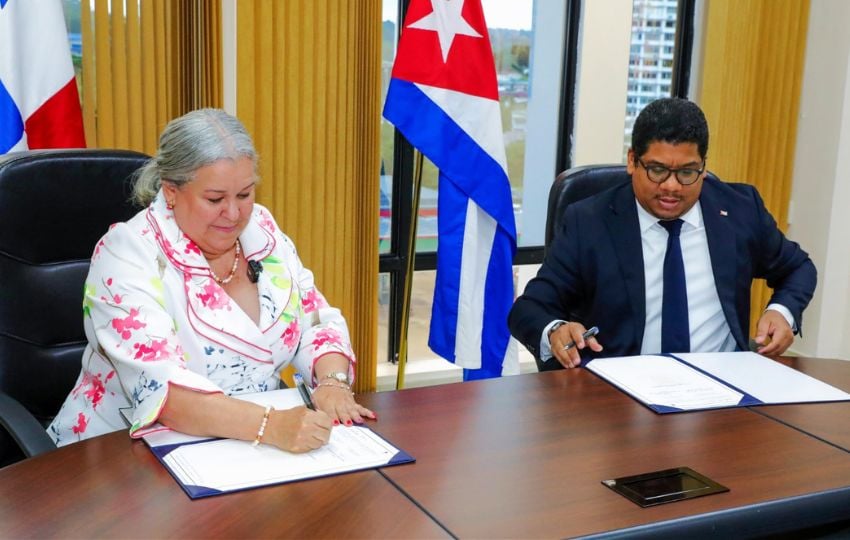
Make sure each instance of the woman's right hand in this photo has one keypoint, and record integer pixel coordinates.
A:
(298, 430)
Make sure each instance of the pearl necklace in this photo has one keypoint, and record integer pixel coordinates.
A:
(229, 278)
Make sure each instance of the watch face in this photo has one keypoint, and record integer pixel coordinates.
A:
(341, 377)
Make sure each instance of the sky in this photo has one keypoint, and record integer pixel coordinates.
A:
(499, 13)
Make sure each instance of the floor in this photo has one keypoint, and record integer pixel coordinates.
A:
(429, 370)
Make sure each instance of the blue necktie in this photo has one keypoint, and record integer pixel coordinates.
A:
(675, 331)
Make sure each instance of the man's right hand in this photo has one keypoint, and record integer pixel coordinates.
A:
(567, 334)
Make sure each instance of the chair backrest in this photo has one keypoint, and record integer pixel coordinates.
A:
(576, 184)
(54, 206)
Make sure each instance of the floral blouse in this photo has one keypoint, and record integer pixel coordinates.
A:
(154, 316)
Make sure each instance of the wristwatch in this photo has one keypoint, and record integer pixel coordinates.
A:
(555, 327)
(338, 376)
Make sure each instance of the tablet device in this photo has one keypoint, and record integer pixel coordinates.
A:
(665, 486)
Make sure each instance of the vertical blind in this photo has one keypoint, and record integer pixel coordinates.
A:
(308, 89)
(752, 76)
(146, 62)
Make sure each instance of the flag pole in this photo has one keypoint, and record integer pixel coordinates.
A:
(408, 273)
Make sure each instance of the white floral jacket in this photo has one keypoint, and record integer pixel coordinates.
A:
(154, 316)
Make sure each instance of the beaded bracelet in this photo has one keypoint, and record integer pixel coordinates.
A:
(335, 385)
(262, 429)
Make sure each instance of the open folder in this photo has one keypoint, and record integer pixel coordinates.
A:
(206, 466)
(696, 381)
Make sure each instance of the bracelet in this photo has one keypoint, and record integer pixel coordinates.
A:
(262, 429)
(336, 385)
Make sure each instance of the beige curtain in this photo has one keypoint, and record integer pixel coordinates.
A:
(144, 63)
(753, 70)
(308, 76)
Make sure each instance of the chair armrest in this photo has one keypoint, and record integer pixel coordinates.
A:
(27, 432)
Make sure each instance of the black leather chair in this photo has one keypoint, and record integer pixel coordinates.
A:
(574, 185)
(54, 206)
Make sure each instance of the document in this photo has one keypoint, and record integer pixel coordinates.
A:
(697, 381)
(204, 466)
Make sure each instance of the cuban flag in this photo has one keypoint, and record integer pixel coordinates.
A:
(39, 103)
(444, 99)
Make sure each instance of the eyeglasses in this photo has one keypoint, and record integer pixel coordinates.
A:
(659, 173)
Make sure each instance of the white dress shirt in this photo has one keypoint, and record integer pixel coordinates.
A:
(708, 326)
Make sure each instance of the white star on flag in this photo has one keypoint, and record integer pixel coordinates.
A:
(447, 21)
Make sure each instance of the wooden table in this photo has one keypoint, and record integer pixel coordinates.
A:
(521, 456)
(524, 456)
(828, 421)
(112, 487)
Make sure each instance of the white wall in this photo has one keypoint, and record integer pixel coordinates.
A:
(228, 54)
(603, 75)
(541, 134)
(820, 198)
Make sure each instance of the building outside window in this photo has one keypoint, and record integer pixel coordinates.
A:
(651, 57)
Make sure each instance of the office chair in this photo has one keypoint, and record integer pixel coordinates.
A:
(574, 185)
(54, 207)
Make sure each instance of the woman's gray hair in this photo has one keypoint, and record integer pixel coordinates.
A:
(188, 143)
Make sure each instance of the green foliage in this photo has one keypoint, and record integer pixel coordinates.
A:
(515, 152)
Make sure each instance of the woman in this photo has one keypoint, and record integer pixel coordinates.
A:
(200, 296)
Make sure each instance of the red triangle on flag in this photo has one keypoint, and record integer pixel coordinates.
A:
(468, 67)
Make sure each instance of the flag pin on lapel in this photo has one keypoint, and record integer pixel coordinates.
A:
(724, 213)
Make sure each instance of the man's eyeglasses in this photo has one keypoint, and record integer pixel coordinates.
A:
(659, 173)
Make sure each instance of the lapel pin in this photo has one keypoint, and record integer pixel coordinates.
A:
(724, 213)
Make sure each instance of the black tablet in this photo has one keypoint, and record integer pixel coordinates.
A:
(665, 486)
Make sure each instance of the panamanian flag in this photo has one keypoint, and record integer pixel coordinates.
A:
(444, 99)
(39, 103)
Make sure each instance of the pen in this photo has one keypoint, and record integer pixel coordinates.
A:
(592, 331)
(304, 391)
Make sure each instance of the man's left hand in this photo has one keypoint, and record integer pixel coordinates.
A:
(774, 326)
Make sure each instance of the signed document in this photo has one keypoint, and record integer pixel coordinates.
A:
(696, 381)
(204, 466)
(228, 465)
(666, 382)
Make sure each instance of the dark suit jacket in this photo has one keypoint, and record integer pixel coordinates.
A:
(593, 272)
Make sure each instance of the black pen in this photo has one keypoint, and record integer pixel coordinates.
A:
(592, 331)
(304, 391)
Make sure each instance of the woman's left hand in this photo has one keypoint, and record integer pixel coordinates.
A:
(337, 401)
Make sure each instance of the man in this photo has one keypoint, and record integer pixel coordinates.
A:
(615, 265)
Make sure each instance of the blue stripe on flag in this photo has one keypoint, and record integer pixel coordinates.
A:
(466, 171)
(498, 299)
(498, 294)
(3, 3)
(455, 153)
(11, 123)
(451, 221)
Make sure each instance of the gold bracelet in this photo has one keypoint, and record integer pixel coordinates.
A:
(262, 429)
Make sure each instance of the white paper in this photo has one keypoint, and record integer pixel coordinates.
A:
(227, 464)
(764, 379)
(664, 381)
